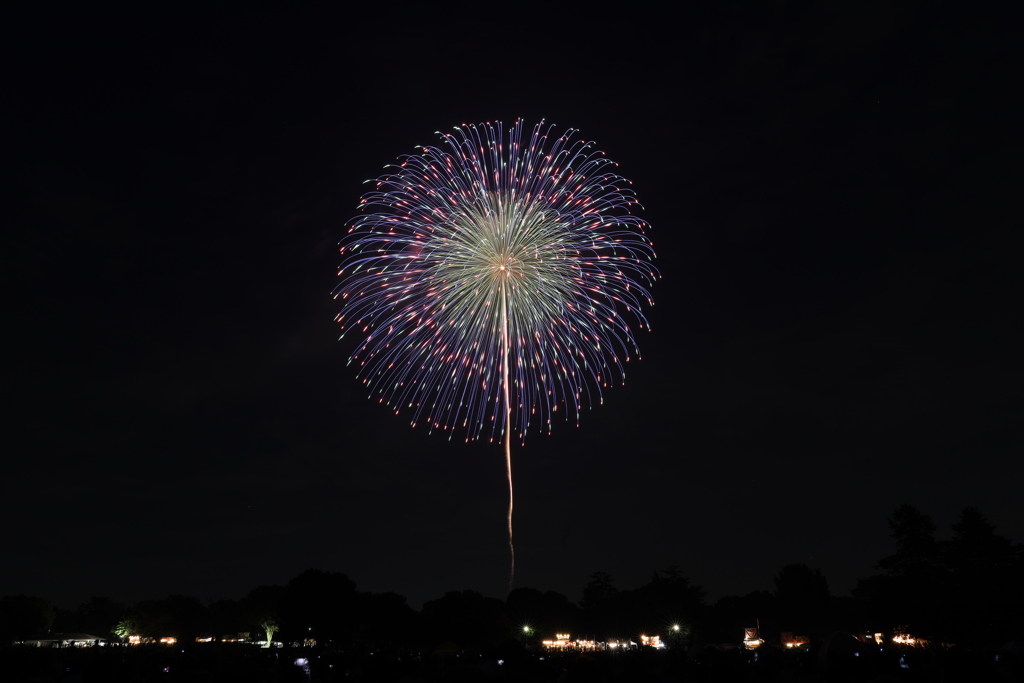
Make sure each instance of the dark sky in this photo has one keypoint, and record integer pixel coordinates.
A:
(833, 192)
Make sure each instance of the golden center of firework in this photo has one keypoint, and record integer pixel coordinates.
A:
(505, 265)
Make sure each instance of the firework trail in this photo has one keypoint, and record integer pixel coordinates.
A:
(494, 271)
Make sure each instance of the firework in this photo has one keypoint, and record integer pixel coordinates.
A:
(493, 280)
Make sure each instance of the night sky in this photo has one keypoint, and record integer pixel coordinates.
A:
(833, 192)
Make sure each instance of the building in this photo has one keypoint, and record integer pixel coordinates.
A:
(65, 640)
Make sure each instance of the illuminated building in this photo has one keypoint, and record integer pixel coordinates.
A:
(790, 641)
(564, 641)
(65, 640)
(752, 638)
(561, 642)
(652, 641)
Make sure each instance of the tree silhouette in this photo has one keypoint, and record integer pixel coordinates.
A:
(227, 618)
(97, 615)
(468, 619)
(964, 589)
(984, 578)
(524, 607)
(384, 619)
(667, 599)
(601, 613)
(598, 592)
(917, 553)
(23, 616)
(320, 604)
(975, 548)
(915, 575)
(544, 614)
(180, 616)
(803, 599)
(260, 604)
(733, 613)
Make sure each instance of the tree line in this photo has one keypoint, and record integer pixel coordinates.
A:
(965, 589)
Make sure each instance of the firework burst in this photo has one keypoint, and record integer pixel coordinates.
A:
(493, 280)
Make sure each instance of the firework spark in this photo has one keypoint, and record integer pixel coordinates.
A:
(493, 280)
